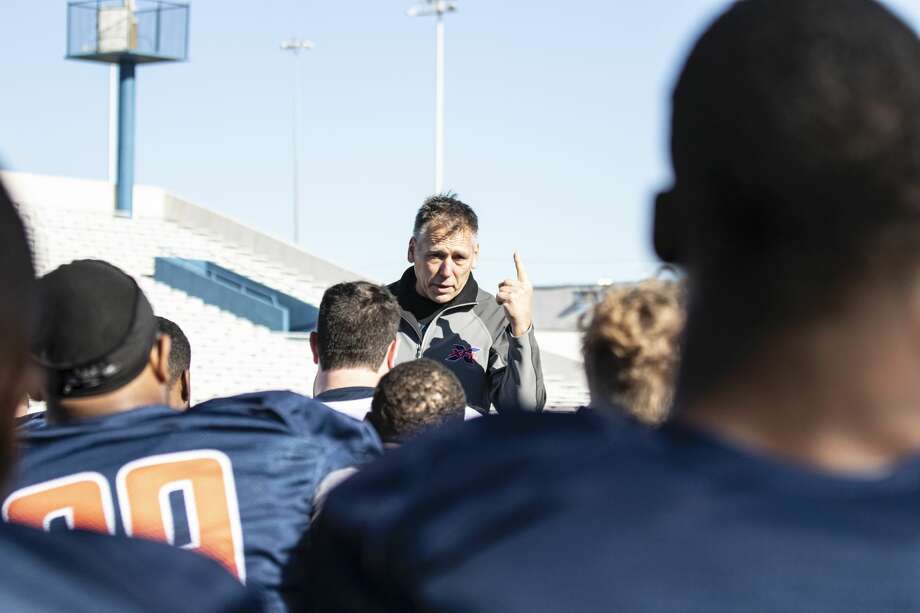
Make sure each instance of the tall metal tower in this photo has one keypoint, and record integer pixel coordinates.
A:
(438, 8)
(127, 33)
(295, 46)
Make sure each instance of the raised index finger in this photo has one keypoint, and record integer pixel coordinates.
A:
(519, 265)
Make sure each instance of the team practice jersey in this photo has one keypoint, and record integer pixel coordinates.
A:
(233, 478)
(82, 572)
(562, 513)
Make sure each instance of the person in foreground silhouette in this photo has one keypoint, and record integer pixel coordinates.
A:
(788, 478)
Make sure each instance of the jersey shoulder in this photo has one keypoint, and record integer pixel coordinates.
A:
(296, 413)
(30, 420)
(83, 571)
(439, 500)
(515, 443)
(460, 480)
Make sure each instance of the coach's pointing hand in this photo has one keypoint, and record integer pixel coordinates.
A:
(516, 297)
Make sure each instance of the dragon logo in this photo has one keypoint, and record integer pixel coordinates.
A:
(461, 352)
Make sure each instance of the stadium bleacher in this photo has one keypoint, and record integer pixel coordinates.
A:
(67, 221)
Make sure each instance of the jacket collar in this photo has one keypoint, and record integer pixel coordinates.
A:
(420, 307)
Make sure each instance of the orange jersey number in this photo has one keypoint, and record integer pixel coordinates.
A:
(204, 479)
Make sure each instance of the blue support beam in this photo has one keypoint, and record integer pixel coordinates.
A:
(124, 187)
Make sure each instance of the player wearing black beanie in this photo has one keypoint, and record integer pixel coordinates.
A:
(97, 340)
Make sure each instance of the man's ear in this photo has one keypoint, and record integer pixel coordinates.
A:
(185, 388)
(410, 254)
(391, 354)
(475, 253)
(159, 357)
(314, 346)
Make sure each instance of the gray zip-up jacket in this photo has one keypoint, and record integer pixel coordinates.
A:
(474, 340)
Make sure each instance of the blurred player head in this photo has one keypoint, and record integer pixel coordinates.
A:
(17, 289)
(444, 248)
(795, 141)
(98, 342)
(414, 397)
(631, 348)
(180, 363)
(355, 339)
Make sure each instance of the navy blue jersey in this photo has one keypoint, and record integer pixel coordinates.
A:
(233, 478)
(82, 572)
(562, 513)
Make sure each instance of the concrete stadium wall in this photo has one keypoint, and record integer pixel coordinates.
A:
(86, 194)
(277, 250)
(153, 202)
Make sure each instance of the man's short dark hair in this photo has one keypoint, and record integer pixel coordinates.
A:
(796, 146)
(180, 352)
(17, 301)
(447, 214)
(414, 397)
(357, 322)
(795, 140)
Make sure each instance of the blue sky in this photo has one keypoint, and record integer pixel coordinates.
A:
(556, 122)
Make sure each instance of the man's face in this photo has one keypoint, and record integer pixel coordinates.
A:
(443, 263)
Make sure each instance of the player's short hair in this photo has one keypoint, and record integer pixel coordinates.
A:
(631, 348)
(17, 302)
(414, 397)
(446, 214)
(357, 322)
(795, 140)
(180, 352)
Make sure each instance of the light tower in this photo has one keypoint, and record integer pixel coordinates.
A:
(295, 46)
(127, 33)
(438, 8)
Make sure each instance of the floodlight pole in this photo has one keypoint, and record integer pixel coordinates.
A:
(124, 184)
(439, 107)
(296, 45)
(437, 8)
(113, 123)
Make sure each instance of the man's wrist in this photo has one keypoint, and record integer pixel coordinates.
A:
(517, 332)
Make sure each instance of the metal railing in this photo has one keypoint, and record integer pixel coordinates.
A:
(147, 30)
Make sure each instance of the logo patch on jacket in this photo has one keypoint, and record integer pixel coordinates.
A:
(461, 352)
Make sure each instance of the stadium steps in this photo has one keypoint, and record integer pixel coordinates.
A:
(230, 354)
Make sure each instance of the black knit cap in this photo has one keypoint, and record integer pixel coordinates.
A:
(95, 329)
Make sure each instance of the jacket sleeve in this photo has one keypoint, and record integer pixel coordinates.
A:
(515, 373)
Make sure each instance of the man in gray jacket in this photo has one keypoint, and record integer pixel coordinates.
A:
(487, 341)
